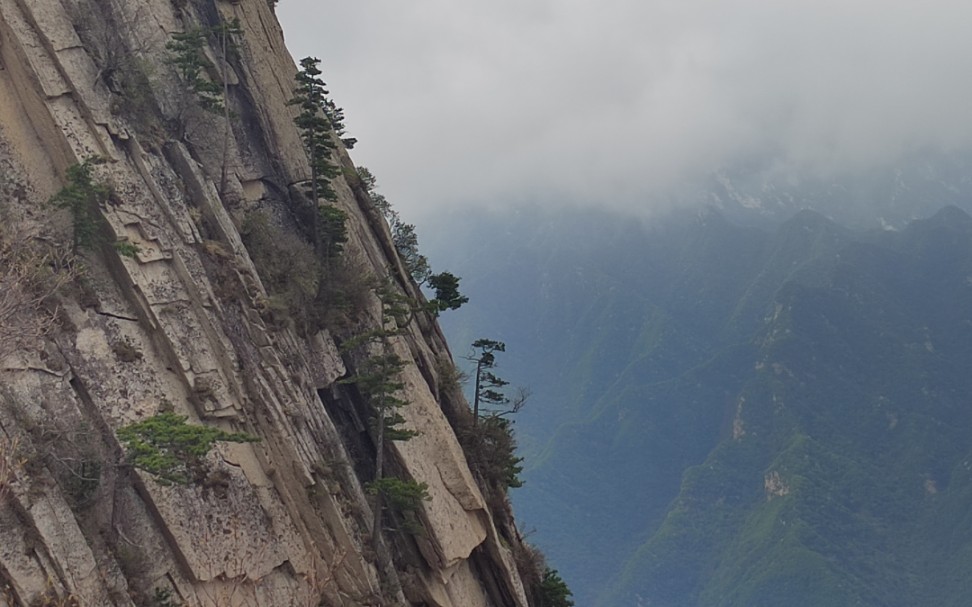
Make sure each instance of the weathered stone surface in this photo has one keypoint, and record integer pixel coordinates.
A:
(435, 457)
(179, 326)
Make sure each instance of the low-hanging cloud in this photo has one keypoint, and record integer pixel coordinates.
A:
(618, 101)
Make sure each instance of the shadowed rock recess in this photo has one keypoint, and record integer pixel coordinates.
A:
(170, 312)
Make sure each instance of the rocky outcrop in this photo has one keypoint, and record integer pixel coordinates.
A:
(180, 323)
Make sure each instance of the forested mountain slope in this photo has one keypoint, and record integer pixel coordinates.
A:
(726, 416)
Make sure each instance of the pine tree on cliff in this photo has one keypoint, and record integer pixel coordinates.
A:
(82, 197)
(444, 284)
(488, 385)
(379, 380)
(492, 446)
(188, 55)
(447, 295)
(310, 96)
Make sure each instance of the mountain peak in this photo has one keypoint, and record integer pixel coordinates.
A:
(810, 219)
(951, 216)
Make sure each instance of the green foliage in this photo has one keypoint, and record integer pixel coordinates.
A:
(227, 34)
(863, 350)
(401, 495)
(394, 430)
(127, 249)
(310, 97)
(486, 349)
(553, 591)
(345, 291)
(403, 234)
(130, 77)
(490, 448)
(406, 244)
(305, 292)
(168, 448)
(378, 380)
(490, 444)
(445, 284)
(333, 230)
(370, 184)
(83, 196)
(488, 389)
(190, 59)
(379, 377)
(447, 296)
(335, 116)
(397, 311)
(450, 378)
(316, 132)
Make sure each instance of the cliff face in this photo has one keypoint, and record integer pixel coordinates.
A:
(180, 322)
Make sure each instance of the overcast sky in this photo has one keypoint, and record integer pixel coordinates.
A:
(458, 103)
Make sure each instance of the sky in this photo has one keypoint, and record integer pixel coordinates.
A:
(618, 102)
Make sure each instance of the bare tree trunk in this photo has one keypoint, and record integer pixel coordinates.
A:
(316, 219)
(379, 474)
(479, 375)
(224, 43)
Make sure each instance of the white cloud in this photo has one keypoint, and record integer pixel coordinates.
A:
(614, 101)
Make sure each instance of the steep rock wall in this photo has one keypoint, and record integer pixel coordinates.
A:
(182, 326)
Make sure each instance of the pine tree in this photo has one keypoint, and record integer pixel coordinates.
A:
(310, 96)
(491, 446)
(553, 590)
(379, 380)
(190, 59)
(335, 116)
(405, 239)
(172, 450)
(447, 295)
(488, 385)
(406, 243)
(82, 197)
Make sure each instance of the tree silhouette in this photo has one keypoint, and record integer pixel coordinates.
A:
(489, 386)
(447, 295)
(310, 96)
(379, 380)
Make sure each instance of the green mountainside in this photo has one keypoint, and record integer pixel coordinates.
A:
(725, 416)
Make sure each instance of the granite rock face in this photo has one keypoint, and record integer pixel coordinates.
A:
(181, 325)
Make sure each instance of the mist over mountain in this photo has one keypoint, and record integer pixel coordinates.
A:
(887, 196)
(624, 103)
(737, 411)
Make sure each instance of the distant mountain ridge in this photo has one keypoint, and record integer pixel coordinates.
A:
(886, 196)
(731, 416)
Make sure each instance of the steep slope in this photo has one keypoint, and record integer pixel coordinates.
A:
(176, 317)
